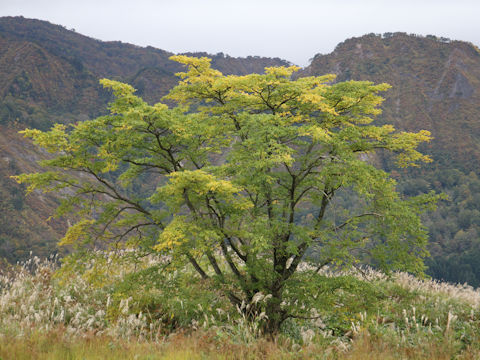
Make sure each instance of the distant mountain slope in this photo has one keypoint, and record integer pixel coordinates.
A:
(435, 86)
(50, 74)
(47, 67)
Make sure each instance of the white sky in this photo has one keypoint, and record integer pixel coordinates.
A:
(292, 30)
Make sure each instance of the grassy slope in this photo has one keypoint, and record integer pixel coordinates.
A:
(202, 346)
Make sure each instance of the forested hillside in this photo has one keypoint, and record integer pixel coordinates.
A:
(435, 86)
(49, 74)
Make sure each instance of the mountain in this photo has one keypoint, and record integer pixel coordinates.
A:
(435, 86)
(49, 74)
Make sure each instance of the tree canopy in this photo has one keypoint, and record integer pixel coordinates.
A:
(245, 179)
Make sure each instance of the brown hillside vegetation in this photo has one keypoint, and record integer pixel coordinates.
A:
(435, 86)
(49, 74)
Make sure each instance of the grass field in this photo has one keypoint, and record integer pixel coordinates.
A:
(47, 314)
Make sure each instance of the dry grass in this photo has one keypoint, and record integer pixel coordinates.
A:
(43, 319)
(55, 345)
(367, 348)
(203, 345)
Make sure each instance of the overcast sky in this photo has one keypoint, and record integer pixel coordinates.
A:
(292, 30)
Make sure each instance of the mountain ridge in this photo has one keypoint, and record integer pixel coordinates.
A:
(434, 86)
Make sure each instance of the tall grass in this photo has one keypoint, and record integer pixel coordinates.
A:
(113, 309)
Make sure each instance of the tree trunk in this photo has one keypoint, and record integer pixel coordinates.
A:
(275, 314)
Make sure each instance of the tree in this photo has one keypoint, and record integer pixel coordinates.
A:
(240, 179)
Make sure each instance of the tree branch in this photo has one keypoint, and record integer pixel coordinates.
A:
(197, 266)
(353, 218)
